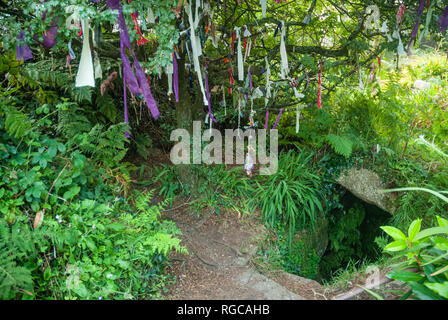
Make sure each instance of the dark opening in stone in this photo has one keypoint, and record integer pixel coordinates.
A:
(352, 232)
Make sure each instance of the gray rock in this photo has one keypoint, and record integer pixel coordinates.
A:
(364, 184)
(261, 285)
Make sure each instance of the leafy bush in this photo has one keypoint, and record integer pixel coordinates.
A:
(66, 231)
(290, 197)
(425, 269)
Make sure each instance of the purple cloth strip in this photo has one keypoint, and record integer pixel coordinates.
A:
(278, 119)
(126, 119)
(443, 20)
(414, 33)
(23, 51)
(208, 97)
(49, 40)
(176, 77)
(267, 119)
(137, 82)
(250, 78)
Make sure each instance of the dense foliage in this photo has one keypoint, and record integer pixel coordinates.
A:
(73, 227)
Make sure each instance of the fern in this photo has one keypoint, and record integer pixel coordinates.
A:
(143, 143)
(16, 122)
(341, 144)
(107, 107)
(72, 121)
(12, 276)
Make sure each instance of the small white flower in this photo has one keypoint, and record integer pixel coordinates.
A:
(58, 217)
(93, 227)
(100, 298)
(60, 220)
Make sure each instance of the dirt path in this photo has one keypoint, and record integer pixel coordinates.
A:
(218, 266)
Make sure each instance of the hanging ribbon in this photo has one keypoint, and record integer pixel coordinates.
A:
(319, 92)
(284, 66)
(443, 20)
(267, 119)
(384, 29)
(361, 83)
(248, 49)
(208, 96)
(425, 32)
(70, 50)
(85, 76)
(400, 48)
(169, 70)
(141, 40)
(268, 82)
(239, 55)
(297, 120)
(137, 83)
(250, 78)
(196, 45)
(231, 80)
(224, 99)
(23, 51)
(414, 33)
(74, 20)
(176, 77)
(400, 13)
(125, 106)
(278, 120)
(98, 69)
(49, 39)
(263, 8)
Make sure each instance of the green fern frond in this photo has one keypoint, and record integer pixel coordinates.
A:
(16, 122)
(12, 276)
(341, 144)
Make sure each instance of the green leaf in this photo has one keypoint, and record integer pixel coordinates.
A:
(91, 244)
(116, 227)
(440, 288)
(423, 292)
(404, 276)
(414, 228)
(70, 194)
(430, 232)
(444, 269)
(395, 233)
(376, 295)
(396, 246)
(435, 193)
(441, 243)
(442, 222)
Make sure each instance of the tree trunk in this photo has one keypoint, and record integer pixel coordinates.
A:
(184, 119)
